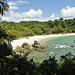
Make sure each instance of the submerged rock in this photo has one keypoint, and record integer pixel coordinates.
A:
(71, 46)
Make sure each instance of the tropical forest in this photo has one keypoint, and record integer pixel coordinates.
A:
(17, 62)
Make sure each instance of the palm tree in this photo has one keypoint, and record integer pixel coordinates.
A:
(3, 7)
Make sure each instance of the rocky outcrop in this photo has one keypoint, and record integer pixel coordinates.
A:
(37, 45)
(26, 47)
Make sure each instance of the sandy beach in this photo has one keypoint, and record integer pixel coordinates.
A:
(39, 38)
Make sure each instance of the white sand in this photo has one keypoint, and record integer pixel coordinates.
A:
(39, 38)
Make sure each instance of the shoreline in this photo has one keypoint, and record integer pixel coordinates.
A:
(55, 36)
(40, 38)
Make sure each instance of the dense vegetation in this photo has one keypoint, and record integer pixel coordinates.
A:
(13, 64)
(22, 29)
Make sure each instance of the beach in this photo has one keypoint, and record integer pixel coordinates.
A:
(39, 38)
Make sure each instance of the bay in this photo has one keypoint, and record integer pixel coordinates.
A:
(56, 47)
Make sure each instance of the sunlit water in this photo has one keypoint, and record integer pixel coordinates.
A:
(56, 47)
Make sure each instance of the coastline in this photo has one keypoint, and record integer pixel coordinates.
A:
(40, 38)
(55, 36)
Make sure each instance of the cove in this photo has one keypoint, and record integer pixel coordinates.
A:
(56, 47)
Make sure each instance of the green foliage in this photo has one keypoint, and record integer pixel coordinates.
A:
(19, 65)
(5, 49)
(68, 65)
(23, 29)
(49, 67)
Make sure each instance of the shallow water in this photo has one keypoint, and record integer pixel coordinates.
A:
(57, 46)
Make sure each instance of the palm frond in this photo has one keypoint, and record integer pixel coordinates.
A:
(3, 7)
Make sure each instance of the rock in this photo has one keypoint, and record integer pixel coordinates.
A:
(36, 42)
(36, 49)
(42, 47)
(29, 47)
(71, 46)
(37, 45)
(19, 49)
(25, 45)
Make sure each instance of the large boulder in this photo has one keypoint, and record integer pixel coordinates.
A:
(37, 45)
(36, 42)
(26, 46)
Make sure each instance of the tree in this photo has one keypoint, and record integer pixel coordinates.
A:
(61, 19)
(3, 7)
(68, 65)
(49, 67)
(50, 23)
(5, 49)
(56, 22)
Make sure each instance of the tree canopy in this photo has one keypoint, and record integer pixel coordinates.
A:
(23, 28)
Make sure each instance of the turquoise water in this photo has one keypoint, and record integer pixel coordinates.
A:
(69, 40)
(56, 46)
